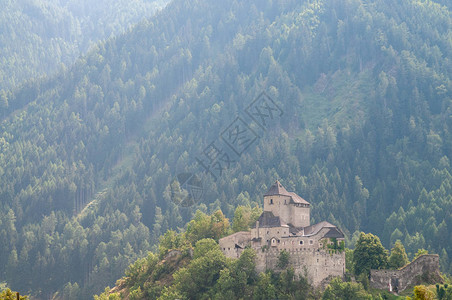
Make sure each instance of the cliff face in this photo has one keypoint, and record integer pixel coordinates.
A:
(425, 267)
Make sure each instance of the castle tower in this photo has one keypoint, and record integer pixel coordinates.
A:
(288, 206)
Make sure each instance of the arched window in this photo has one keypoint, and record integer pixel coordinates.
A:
(271, 201)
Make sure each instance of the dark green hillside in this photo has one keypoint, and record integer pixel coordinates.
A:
(190, 265)
(365, 135)
(37, 37)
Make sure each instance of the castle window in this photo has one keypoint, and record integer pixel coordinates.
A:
(301, 242)
(285, 202)
(271, 201)
(311, 242)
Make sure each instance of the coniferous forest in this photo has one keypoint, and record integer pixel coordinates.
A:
(102, 106)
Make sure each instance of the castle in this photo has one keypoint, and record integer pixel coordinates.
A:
(315, 251)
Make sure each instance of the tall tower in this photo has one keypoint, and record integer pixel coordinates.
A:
(288, 206)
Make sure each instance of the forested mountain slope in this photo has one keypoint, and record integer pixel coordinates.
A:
(364, 88)
(191, 265)
(37, 37)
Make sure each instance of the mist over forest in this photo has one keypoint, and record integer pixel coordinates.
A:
(104, 104)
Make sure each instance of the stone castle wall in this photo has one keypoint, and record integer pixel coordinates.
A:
(280, 206)
(307, 258)
(316, 265)
(228, 244)
(400, 279)
(308, 255)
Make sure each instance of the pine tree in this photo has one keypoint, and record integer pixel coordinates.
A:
(398, 257)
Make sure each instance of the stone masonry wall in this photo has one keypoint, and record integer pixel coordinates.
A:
(280, 206)
(317, 265)
(402, 278)
(228, 244)
(307, 257)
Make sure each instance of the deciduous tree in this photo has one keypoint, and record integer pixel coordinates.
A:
(369, 254)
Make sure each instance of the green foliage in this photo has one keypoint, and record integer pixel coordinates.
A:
(443, 292)
(349, 268)
(7, 294)
(398, 257)
(170, 294)
(203, 246)
(264, 288)
(227, 285)
(247, 264)
(208, 274)
(289, 288)
(43, 36)
(71, 291)
(87, 155)
(140, 269)
(136, 294)
(170, 240)
(283, 259)
(421, 292)
(369, 254)
(420, 252)
(237, 279)
(204, 226)
(201, 274)
(363, 278)
(344, 290)
(334, 245)
(245, 217)
(107, 296)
